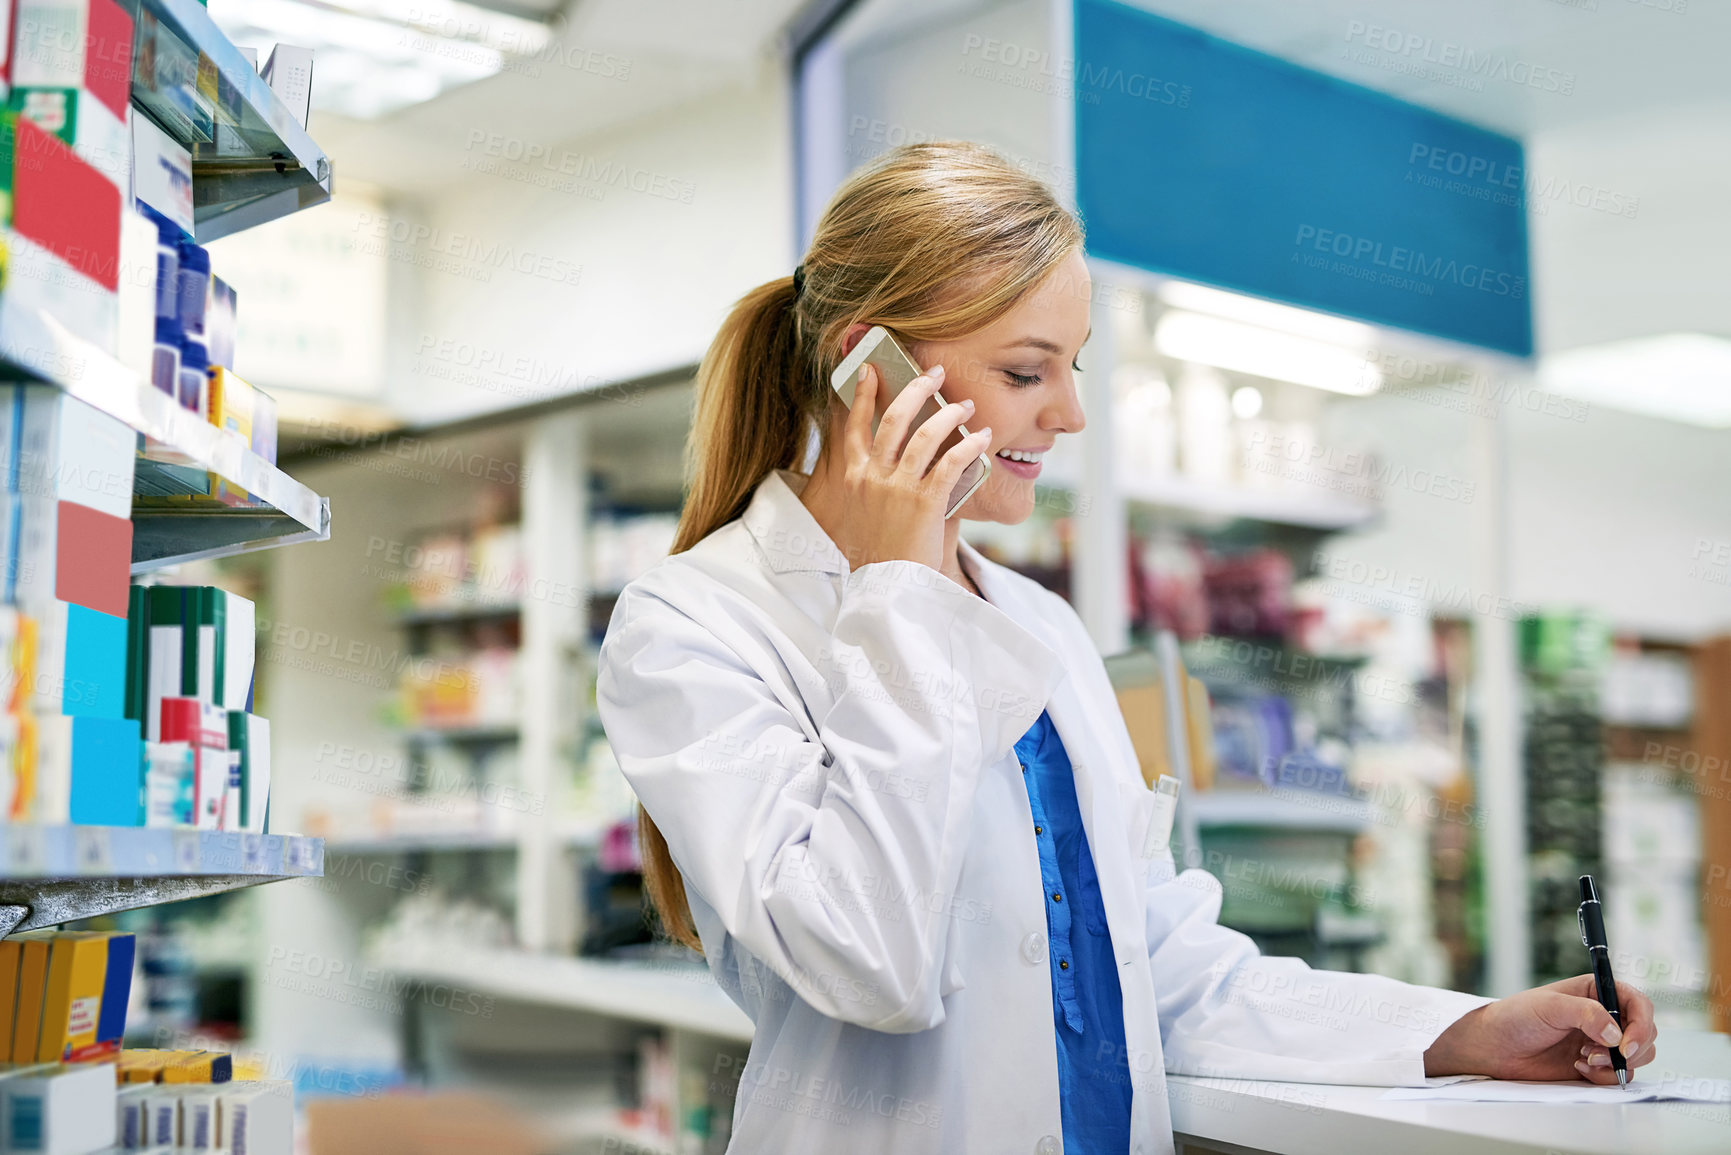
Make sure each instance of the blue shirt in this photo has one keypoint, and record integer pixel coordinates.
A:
(1087, 1007)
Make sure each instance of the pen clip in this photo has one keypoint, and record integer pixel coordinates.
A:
(1581, 922)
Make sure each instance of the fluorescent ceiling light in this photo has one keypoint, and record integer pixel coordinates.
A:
(1246, 402)
(372, 57)
(1251, 310)
(454, 20)
(1247, 348)
(1679, 376)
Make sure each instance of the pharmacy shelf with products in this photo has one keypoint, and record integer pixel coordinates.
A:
(135, 767)
(482, 837)
(456, 594)
(1330, 740)
(1276, 681)
(1335, 783)
(1316, 807)
(1702, 768)
(459, 696)
(1611, 720)
(435, 804)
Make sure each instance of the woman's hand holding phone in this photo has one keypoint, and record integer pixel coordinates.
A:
(892, 507)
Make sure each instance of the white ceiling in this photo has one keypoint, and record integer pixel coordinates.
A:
(1626, 57)
(618, 61)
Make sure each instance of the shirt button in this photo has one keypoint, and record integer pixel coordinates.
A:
(1039, 830)
(1034, 948)
(1056, 897)
(1063, 964)
(1048, 1145)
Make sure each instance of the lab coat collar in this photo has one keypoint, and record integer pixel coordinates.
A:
(785, 530)
(793, 541)
(988, 575)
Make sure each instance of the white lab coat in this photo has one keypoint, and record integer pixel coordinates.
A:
(829, 755)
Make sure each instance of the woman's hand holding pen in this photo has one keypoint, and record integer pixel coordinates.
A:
(878, 501)
(1553, 1032)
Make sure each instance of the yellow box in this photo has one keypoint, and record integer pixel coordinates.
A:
(232, 402)
(138, 1065)
(32, 986)
(11, 956)
(199, 1067)
(72, 1006)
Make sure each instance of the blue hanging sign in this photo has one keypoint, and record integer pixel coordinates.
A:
(1208, 161)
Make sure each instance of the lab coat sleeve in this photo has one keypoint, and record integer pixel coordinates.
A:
(1227, 1010)
(833, 860)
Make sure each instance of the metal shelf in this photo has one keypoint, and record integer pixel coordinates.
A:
(465, 612)
(683, 996)
(1281, 810)
(183, 449)
(1310, 510)
(259, 163)
(55, 874)
(463, 735)
(1212, 502)
(409, 842)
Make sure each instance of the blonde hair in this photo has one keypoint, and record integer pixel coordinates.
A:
(933, 241)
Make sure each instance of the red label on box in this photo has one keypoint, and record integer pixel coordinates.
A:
(92, 559)
(66, 206)
(194, 722)
(108, 60)
(109, 1049)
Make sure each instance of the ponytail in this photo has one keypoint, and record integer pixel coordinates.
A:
(751, 419)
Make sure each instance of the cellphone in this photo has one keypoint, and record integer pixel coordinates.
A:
(897, 371)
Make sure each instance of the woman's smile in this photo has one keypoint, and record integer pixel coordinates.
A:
(1023, 463)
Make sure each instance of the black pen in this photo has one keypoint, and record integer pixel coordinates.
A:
(1592, 922)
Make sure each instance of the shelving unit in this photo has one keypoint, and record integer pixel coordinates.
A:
(1265, 811)
(557, 873)
(261, 165)
(55, 874)
(181, 450)
(431, 841)
(1712, 744)
(461, 599)
(462, 735)
(435, 841)
(441, 615)
(1320, 511)
(681, 999)
(1205, 502)
(678, 996)
(1281, 810)
(258, 165)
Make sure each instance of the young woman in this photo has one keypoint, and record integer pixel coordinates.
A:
(885, 786)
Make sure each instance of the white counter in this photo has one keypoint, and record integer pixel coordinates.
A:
(1234, 1117)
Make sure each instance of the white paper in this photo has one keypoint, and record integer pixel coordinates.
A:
(1502, 1091)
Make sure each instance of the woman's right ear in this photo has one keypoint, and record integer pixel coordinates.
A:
(851, 338)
